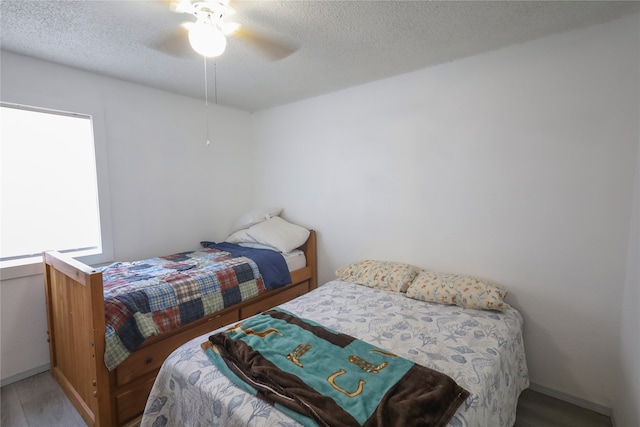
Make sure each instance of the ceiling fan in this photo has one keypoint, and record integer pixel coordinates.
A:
(208, 34)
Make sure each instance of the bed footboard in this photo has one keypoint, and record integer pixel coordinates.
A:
(76, 329)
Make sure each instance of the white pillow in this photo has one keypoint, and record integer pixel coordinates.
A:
(255, 217)
(240, 236)
(279, 233)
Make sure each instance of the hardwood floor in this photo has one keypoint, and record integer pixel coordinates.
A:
(538, 410)
(39, 401)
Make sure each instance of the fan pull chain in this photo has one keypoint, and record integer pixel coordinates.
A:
(215, 82)
(206, 98)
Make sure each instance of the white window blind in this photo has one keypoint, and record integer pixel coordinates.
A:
(49, 191)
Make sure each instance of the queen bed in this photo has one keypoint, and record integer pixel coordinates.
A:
(111, 328)
(481, 350)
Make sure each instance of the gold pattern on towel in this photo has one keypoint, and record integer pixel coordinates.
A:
(297, 353)
(237, 328)
(367, 366)
(333, 377)
(263, 333)
(383, 352)
(208, 345)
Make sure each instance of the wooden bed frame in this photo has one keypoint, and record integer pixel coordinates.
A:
(76, 329)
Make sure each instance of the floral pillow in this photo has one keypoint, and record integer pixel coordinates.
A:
(388, 275)
(454, 289)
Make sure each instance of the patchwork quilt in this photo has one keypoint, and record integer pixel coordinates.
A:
(330, 378)
(149, 297)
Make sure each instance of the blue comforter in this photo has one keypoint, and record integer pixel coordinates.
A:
(271, 264)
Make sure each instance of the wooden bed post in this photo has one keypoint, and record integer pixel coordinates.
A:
(312, 258)
(76, 329)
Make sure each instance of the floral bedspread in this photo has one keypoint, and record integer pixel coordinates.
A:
(482, 351)
(149, 297)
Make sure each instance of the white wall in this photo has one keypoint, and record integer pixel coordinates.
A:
(626, 404)
(168, 190)
(515, 165)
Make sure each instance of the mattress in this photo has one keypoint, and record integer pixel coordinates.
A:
(482, 351)
(295, 260)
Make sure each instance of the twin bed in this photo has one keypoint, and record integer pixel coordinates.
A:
(173, 375)
(108, 338)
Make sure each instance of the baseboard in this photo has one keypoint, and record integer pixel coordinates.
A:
(573, 400)
(26, 374)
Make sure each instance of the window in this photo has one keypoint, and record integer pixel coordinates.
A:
(49, 186)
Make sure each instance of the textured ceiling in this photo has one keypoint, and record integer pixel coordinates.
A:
(323, 46)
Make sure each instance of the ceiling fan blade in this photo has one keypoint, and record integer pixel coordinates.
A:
(181, 6)
(273, 48)
(175, 44)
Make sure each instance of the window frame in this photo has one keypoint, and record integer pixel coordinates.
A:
(34, 266)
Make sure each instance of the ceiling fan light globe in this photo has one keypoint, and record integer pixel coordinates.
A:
(207, 40)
